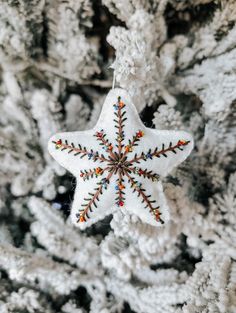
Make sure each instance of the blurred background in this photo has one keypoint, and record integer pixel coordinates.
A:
(177, 59)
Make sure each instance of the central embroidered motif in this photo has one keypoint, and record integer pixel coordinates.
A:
(116, 161)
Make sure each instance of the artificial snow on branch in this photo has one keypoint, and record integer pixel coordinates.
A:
(177, 62)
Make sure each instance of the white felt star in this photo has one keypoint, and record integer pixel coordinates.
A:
(118, 163)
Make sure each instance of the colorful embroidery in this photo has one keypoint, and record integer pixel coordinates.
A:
(118, 163)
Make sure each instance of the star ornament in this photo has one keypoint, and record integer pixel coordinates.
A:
(118, 163)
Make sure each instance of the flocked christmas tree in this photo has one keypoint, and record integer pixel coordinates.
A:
(177, 61)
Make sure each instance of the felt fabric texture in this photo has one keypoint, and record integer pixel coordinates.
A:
(113, 183)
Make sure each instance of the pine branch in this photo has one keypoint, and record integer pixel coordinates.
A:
(119, 124)
(144, 173)
(81, 151)
(163, 152)
(137, 187)
(93, 198)
(95, 172)
(120, 187)
(133, 143)
(105, 143)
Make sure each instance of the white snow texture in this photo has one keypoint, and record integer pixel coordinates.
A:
(177, 61)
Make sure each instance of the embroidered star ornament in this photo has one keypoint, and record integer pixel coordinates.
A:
(118, 163)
